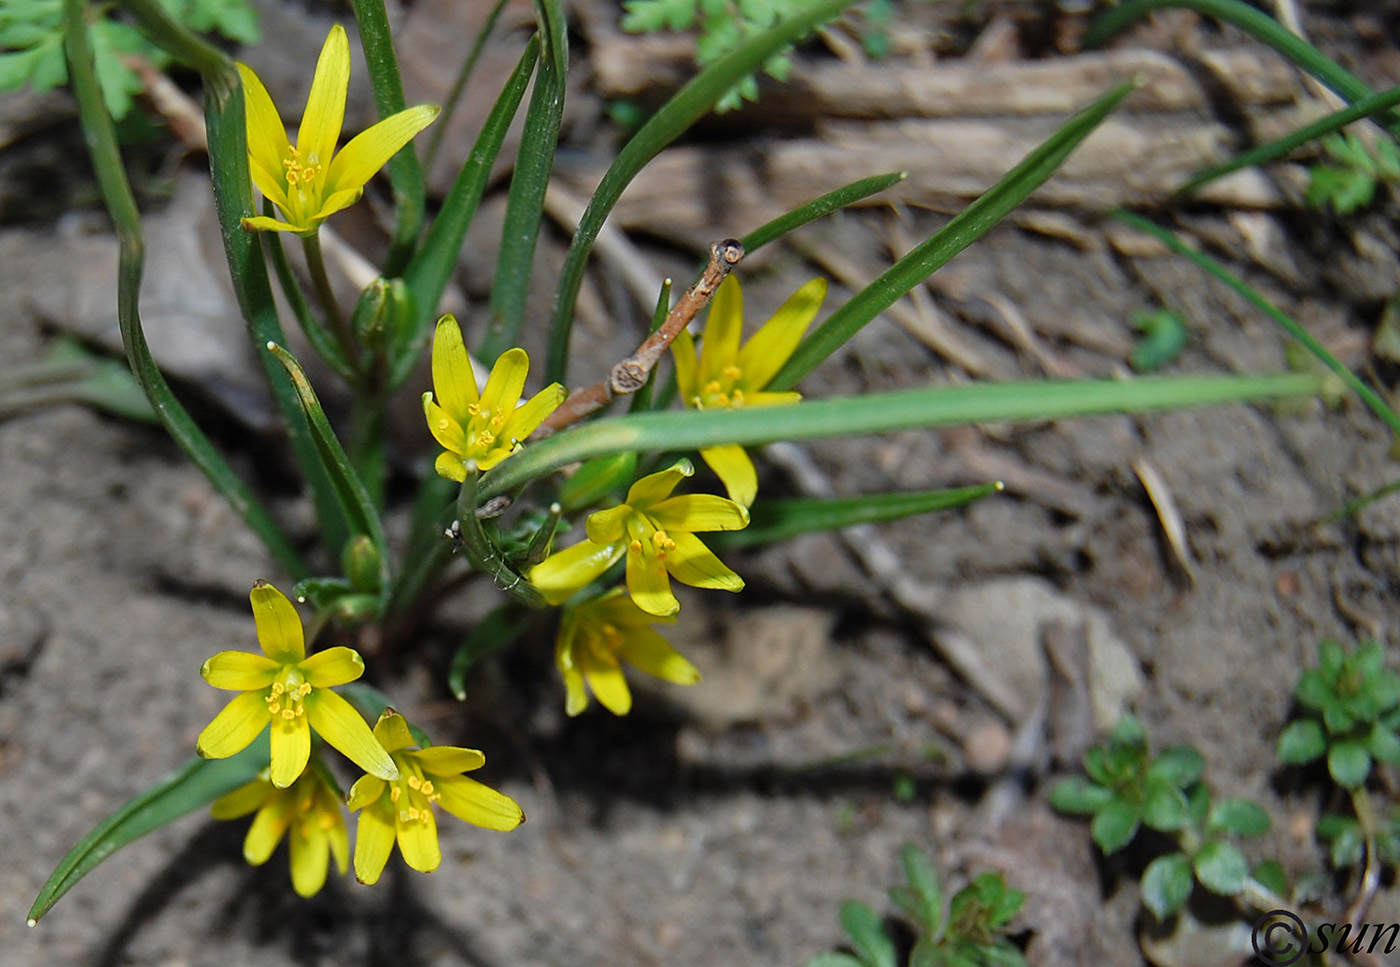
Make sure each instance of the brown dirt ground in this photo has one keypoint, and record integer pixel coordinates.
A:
(725, 825)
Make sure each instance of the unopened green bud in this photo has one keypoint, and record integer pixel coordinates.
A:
(360, 559)
(382, 311)
(596, 479)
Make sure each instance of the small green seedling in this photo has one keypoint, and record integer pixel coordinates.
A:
(968, 930)
(1127, 788)
(1164, 336)
(1348, 182)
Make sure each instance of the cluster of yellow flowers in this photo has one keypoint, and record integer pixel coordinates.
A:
(290, 693)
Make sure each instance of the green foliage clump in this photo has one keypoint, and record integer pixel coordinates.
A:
(967, 930)
(31, 44)
(1348, 181)
(1128, 787)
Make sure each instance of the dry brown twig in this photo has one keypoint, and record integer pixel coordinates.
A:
(631, 374)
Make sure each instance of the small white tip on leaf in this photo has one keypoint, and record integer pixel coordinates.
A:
(271, 345)
(31, 922)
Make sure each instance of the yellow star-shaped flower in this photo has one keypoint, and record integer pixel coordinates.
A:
(310, 181)
(727, 375)
(656, 532)
(486, 428)
(284, 688)
(597, 636)
(311, 808)
(402, 809)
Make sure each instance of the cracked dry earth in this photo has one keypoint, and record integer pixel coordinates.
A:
(911, 682)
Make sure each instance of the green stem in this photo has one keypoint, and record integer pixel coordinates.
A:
(885, 413)
(482, 552)
(318, 335)
(1253, 22)
(405, 174)
(100, 135)
(325, 294)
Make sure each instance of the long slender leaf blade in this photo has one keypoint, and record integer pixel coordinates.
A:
(429, 270)
(688, 105)
(771, 521)
(355, 502)
(820, 207)
(197, 783)
(886, 413)
(971, 224)
(525, 201)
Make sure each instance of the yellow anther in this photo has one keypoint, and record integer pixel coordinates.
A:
(289, 714)
(414, 782)
(394, 792)
(274, 707)
(737, 398)
(427, 787)
(713, 386)
(444, 423)
(497, 421)
(721, 399)
(473, 408)
(732, 372)
(635, 546)
(485, 438)
(277, 689)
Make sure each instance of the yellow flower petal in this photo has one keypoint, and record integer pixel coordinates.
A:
(645, 649)
(616, 608)
(263, 223)
(392, 732)
(234, 727)
(241, 670)
(339, 841)
(450, 465)
(609, 525)
(479, 804)
(658, 486)
(267, 138)
(561, 574)
(266, 832)
(575, 693)
(291, 747)
(453, 379)
(687, 375)
(372, 148)
(526, 419)
(367, 789)
(334, 666)
(374, 841)
(448, 760)
(736, 471)
(505, 384)
(418, 841)
(447, 431)
(325, 105)
(725, 325)
(771, 347)
(691, 562)
(336, 721)
(699, 512)
(279, 625)
(310, 849)
(242, 801)
(755, 400)
(649, 585)
(609, 686)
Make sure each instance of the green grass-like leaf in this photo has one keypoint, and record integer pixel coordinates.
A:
(197, 783)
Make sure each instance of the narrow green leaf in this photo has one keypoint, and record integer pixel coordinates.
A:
(688, 105)
(1364, 108)
(498, 630)
(525, 200)
(868, 938)
(1252, 21)
(197, 783)
(1239, 816)
(925, 889)
(101, 138)
(771, 521)
(1371, 398)
(884, 413)
(1166, 884)
(1221, 868)
(819, 208)
(405, 174)
(427, 549)
(971, 224)
(355, 503)
(429, 270)
(1301, 741)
